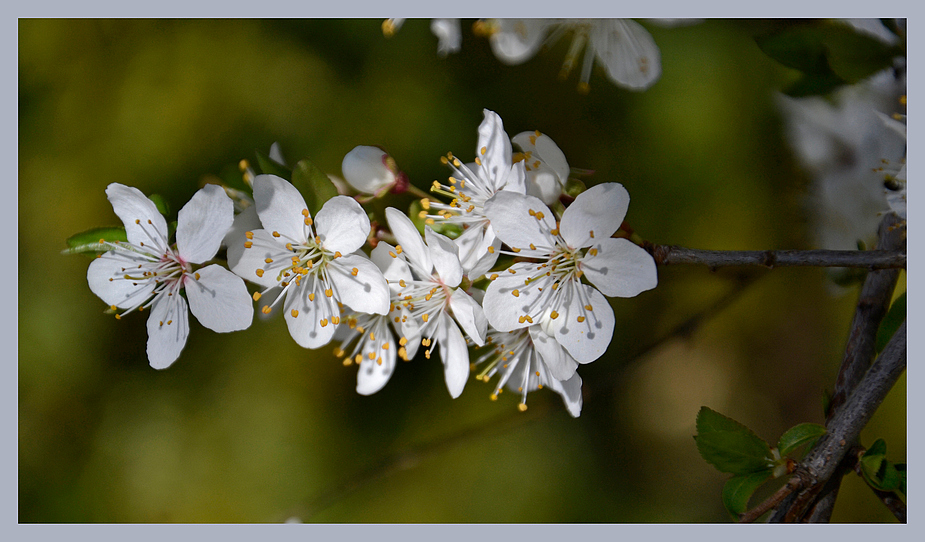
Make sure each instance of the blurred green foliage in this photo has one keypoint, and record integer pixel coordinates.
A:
(249, 427)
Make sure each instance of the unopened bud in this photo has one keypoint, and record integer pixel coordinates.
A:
(369, 169)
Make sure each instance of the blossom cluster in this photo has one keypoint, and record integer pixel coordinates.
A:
(486, 264)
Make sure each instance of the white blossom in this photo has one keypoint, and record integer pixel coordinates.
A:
(370, 170)
(426, 278)
(316, 263)
(527, 359)
(148, 273)
(470, 186)
(448, 33)
(623, 47)
(549, 288)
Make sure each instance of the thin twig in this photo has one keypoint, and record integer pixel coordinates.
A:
(869, 259)
(793, 484)
(873, 304)
(825, 459)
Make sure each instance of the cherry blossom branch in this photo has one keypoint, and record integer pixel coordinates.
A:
(870, 259)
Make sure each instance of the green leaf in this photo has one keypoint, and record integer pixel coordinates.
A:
(739, 489)
(797, 436)
(877, 471)
(161, 204)
(814, 84)
(799, 48)
(272, 167)
(891, 322)
(854, 56)
(730, 446)
(314, 185)
(901, 468)
(877, 448)
(88, 242)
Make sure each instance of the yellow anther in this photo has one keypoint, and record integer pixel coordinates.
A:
(324, 322)
(581, 319)
(554, 231)
(329, 292)
(259, 272)
(589, 308)
(347, 362)
(311, 296)
(591, 233)
(532, 212)
(528, 319)
(243, 165)
(491, 250)
(424, 317)
(422, 214)
(515, 250)
(398, 249)
(483, 150)
(249, 234)
(540, 215)
(248, 244)
(478, 161)
(429, 221)
(354, 271)
(493, 276)
(358, 359)
(335, 320)
(305, 212)
(295, 313)
(371, 355)
(516, 293)
(118, 317)
(267, 309)
(275, 234)
(196, 275)
(554, 315)
(385, 346)
(425, 203)
(403, 341)
(268, 260)
(402, 353)
(392, 254)
(337, 254)
(532, 246)
(493, 397)
(592, 252)
(444, 161)
(522, 407)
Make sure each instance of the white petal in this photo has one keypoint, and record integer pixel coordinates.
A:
(560, 364)
(595, 214)
(168, 327)
(367, 291)
(365, 170)
(543, 183)
(249, 260)
(570, 390)
(445, 255)
(513, 223)
(276, 154)
(280, 206)
(503, 309)
(105, 278)
(474, 255)
(342, 225)
(246, 221)
(305, 327)
(585, 341)
(454, 353)
(373, 376)
(448, 34)
(203, 222)
(410, 240)
(518, 39)
(620, 268)
(470, 316)
(494, 149)
(135, 211)
(394, 268)
(544, 149)
(219, 299)
(628, 53)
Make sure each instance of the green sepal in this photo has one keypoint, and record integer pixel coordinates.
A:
(160, 203)
(314, 185)
(730, 446)
(739, 489)
(891, 322)
(272, 167)
(901, 468)
(799, 435)
(88, 242)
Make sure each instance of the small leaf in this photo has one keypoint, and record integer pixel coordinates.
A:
(901, 468)
(272, 167)
(314, 185)
(88, 242)
(739, 489)
(877, 448)
(797, 436)
(891, 322)
(730, 446)
(161, 203)
(853, 55)
(799, 48)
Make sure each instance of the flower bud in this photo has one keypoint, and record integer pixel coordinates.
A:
(370, 170)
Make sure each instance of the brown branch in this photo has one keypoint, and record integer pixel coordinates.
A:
(869, 259)
(793, 484)
(825, 459)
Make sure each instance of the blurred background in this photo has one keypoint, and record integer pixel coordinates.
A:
(249, 427)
